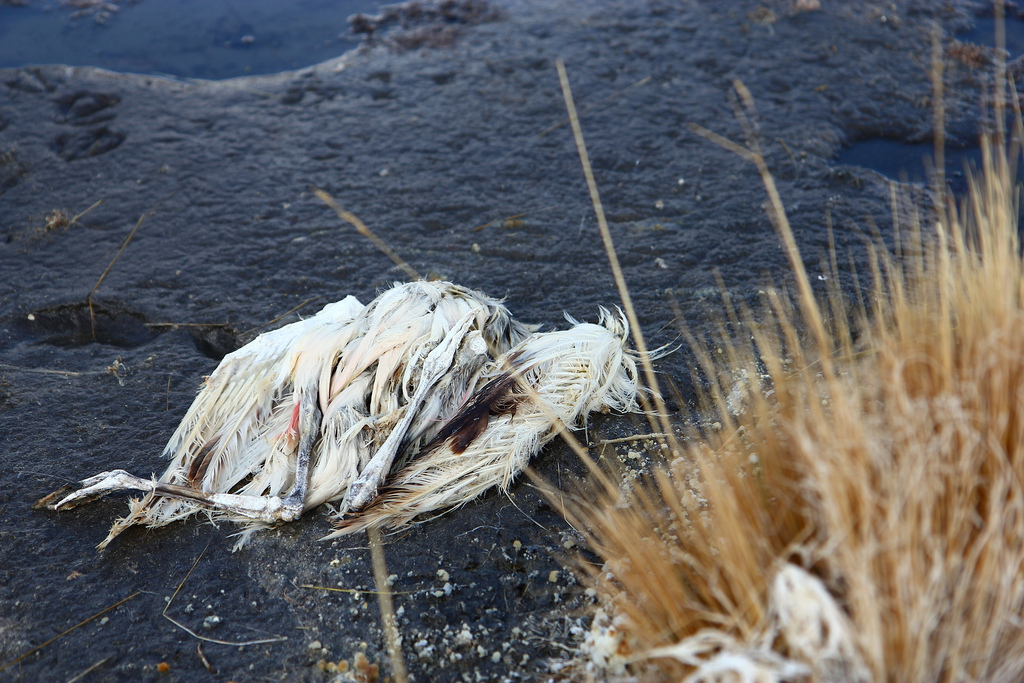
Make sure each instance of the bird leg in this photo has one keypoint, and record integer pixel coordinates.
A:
(262, 508)
(438, 361)
(309, 430)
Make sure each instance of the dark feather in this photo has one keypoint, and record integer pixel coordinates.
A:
(497, 397)
(197, 468)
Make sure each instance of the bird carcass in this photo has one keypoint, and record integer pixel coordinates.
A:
(419, 401)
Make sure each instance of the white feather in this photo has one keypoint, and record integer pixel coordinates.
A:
(572, 373)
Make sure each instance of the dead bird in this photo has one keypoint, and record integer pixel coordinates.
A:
(419, 401)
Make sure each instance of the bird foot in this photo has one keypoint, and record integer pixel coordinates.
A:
(100, 485)
(360, 492)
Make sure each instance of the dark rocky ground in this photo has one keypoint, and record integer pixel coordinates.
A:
(435, 134)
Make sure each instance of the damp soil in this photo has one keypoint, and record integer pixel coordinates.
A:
(446, 133)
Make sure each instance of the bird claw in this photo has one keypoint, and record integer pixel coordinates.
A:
(100, 485)
(47, 502)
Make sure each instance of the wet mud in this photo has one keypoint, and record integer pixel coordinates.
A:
(448, 137)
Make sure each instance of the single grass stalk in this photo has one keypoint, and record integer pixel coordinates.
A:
(387, 608)
(88, 671)
(124, 244)
(80, 215)
(620, 280)
(515, 217)
(354, 221)
(88, 299)
(186, 629)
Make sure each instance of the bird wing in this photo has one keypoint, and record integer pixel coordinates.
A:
(494, 435)
(244, 403)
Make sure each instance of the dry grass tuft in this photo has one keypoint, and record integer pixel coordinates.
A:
(859, 515)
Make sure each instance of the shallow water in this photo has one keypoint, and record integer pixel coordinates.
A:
(903, 161)
(984, 33)
(212, 39)
(907, 162)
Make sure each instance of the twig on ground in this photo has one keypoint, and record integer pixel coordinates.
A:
(355, 591)
(203, 659)
(92, 317)
(75, 219)
(89, 670)
(512, 218)
(634, 437)
(44, 371)
(176, 325)
(186, 629)
(288, 312)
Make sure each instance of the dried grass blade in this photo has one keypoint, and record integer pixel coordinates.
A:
(387, 608)
(186, 629)
(613, 260)
(354, 221)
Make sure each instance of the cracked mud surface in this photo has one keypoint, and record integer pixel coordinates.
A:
(448, 139)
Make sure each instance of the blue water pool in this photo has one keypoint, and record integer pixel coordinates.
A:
(212, 39)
